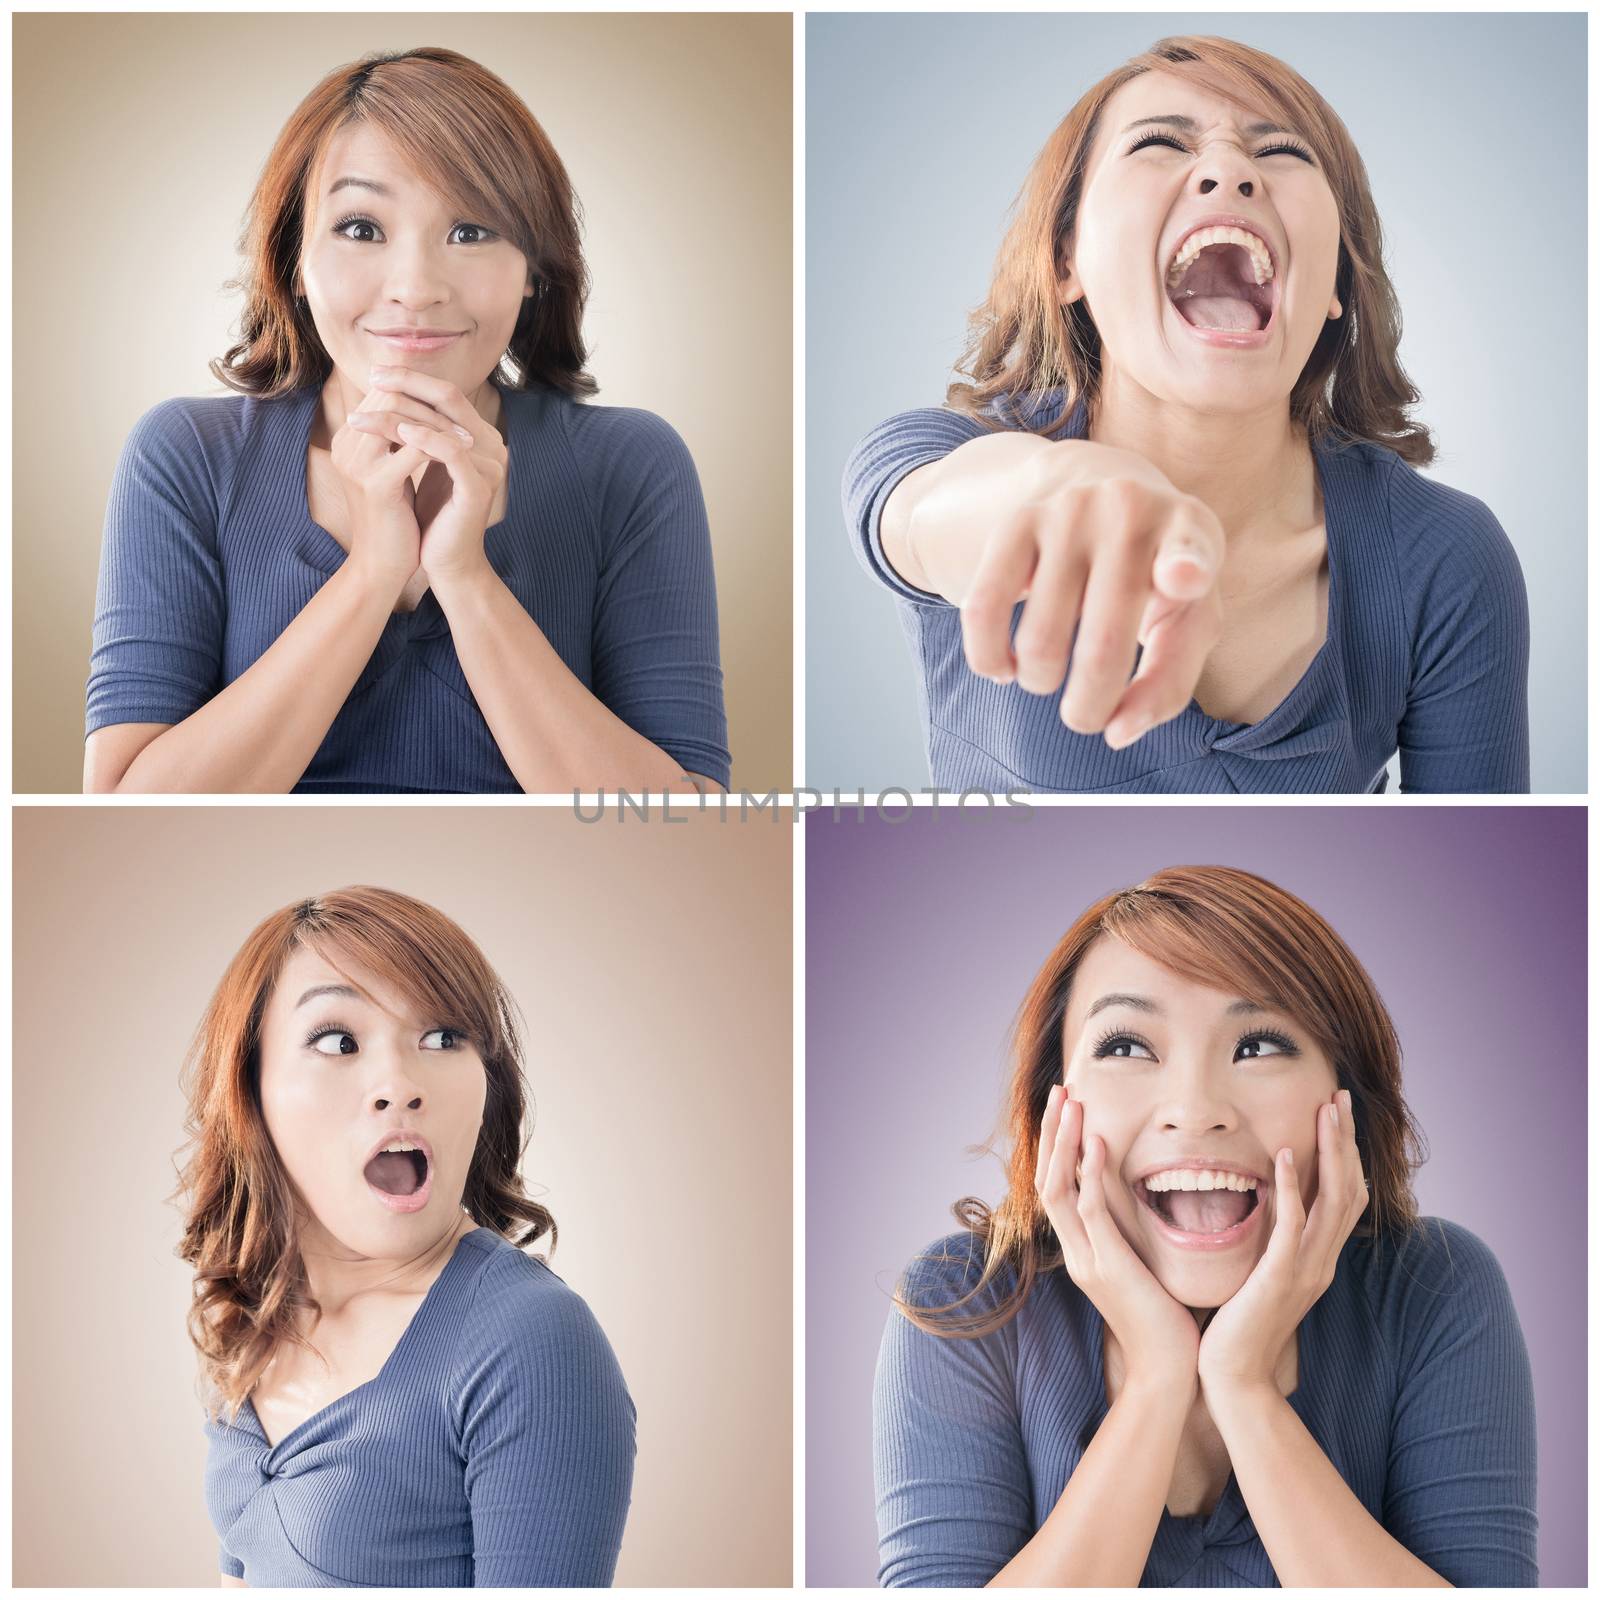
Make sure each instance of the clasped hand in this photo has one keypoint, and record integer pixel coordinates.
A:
(463, 491)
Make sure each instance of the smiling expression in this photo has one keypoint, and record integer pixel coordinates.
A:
(1166, 1069)
(343, 1061)
(1143, 188)
(403, 258)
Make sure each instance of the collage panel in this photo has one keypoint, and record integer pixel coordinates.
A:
(411, 463)
(556, 1363)
(1173, 357)
(1148, 1327)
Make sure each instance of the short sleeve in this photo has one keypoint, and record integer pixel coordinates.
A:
(1462, 1475)
(951, 1472)
(656, 655)
(547, 1434)
(159, 607)
(876, 465)
(230, 1564)
(1465, 725)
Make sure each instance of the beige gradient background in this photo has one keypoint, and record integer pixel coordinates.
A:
(138, 139)
(653, 964)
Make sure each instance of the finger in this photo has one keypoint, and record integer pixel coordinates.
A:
(1062, 1184)
(1189, 558)
(439, 393)
(438, 445)
(1102, 1232)
(1108, 639)
(1047, 1137)
(1330, 1210)
(1283, 1247)
(382, 413)
(1362, 1197)
(1177, 643)
(1049, 614)
(1003, 572)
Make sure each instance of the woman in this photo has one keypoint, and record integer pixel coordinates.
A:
(409, 558)
(1205, 1340)
(1184, 448)
(411, 1400)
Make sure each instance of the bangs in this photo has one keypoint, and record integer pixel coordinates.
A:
(1223, 950)
(419, 953)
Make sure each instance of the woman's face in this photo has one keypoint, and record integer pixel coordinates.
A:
(412, 261)
(344, 1062)
(1167, 1069)
(1138, 203)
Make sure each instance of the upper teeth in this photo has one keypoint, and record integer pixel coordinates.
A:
(1190, 1178)
(398, 1145)
(1260, 258)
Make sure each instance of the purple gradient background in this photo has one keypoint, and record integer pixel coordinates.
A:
(923, 934)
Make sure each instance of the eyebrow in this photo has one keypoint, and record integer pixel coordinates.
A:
(1140, 1002)
(343, 990)
(1189, 125)
(361, 183)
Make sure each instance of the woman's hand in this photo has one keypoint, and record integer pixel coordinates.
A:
(463, 491)
(1247, 1334)
(1158, 1337)
(380, 503)
(1092, 538)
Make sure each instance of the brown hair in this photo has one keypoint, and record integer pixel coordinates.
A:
(239, 1230)
(1231, 930)
(472, 140)
(1023, 341)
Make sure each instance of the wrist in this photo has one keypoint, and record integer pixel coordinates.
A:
(374, 581)
(463, 581)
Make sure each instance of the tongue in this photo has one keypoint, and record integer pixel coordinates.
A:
(394, 1172)
(1207, 1210)
(1215, 311)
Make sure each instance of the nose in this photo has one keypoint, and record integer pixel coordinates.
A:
(1224, 166)
(414, 277)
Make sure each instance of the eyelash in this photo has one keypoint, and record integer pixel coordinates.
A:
(1286, 145)
(1286, 1046)
(356, 216)
(323, 1029)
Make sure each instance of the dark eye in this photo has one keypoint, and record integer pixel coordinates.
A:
(1126, 1045)
(449, 1039)
(333, 1042)
(1255, 1045)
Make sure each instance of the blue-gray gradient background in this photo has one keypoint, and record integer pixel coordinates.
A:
(924, 934)
(919, 132)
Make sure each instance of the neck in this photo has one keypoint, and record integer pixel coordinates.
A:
(1253, 469)
(336, 1275)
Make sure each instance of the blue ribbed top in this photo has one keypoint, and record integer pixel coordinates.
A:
(1414, 1381)
(210, 552)
(1426, 650)
(495, 1448)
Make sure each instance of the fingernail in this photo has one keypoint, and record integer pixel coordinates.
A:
(464, 434)
(1288, 1158)
(1333, 1115)
(1346, 1094)
(1119, 735)
(359, 418)
(378, 374)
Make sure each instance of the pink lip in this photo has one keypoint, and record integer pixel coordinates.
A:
(418, 342)
(1223, 338)
(1184, 1240)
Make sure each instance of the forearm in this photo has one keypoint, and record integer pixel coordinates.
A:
(937, 519)
(1315, 1531)
(553, 732)
(1100, 1531)
(259, 734)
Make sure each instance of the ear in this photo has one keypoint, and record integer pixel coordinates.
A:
(1068, 289)
(1334, 308)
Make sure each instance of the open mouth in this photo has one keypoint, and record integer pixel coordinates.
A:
(1202, 1216)
(398, 1174)
(1217, 291)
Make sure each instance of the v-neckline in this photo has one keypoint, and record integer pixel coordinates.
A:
(382, 1372)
